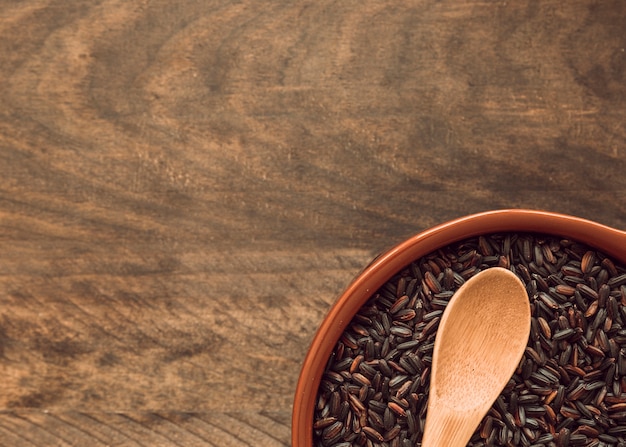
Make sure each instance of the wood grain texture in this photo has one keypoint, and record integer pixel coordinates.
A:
(187, 186)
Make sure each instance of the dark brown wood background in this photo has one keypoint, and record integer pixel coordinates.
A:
(186, 186)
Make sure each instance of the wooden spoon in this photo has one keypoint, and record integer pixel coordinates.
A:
(480, 342)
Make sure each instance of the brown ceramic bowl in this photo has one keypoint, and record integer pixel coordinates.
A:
(608, 240)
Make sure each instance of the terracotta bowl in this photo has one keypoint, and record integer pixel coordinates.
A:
(605, 239)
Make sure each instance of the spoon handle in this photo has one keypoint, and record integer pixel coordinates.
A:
(448, 428)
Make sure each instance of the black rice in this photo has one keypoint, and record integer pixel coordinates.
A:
(568, 390)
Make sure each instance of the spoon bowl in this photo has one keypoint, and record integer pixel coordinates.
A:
(480, 341)
(606, 239)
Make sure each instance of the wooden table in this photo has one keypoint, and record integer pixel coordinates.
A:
(187, 186)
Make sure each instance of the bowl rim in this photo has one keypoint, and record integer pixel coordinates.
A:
(374, 275)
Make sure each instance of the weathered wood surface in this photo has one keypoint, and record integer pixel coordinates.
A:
(187, 186)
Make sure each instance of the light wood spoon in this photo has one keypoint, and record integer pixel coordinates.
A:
(480, 341)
